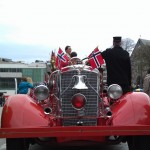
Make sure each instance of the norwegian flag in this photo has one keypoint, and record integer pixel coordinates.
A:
(61, 60)
(95, 58)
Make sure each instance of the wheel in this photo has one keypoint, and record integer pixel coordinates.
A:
(139, 142)
(17, 144)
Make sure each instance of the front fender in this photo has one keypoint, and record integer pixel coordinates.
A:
(132, 109)
(21, 111)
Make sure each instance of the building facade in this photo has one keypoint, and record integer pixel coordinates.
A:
(140, 60)
(12, 72)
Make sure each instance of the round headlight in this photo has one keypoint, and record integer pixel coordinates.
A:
(114, 91)
(41, 92)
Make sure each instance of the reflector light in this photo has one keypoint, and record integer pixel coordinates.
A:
(78, 101)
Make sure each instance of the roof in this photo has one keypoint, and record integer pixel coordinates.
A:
(143, 42)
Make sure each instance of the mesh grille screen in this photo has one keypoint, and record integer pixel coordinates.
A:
(92, 99)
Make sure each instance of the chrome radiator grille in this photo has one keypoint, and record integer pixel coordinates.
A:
(90, 111)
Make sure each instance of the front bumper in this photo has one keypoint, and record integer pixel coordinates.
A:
(76, 131)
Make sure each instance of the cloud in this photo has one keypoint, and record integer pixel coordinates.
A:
(83, 24)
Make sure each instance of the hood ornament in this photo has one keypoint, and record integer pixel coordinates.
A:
(79, 82)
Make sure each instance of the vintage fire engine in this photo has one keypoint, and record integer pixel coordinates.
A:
(75, 107)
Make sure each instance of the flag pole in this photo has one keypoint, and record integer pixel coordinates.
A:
(58, 60)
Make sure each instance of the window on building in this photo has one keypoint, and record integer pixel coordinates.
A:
(10, 70)
(8, 83)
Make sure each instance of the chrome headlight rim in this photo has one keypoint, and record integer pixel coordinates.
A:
(114, 91)
(41, 92)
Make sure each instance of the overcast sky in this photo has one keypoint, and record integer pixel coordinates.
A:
(31, 29)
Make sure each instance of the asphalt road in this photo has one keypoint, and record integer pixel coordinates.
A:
(122, 146)
(116, 147)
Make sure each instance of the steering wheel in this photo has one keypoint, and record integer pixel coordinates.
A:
(85, 60)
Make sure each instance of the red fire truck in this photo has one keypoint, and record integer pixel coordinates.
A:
(73, 107)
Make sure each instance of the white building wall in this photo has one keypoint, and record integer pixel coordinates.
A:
(8, 92)
(21, 65)
(10, 74)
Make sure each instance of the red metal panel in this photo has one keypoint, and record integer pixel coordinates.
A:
(73, 131)
(131, 109)
(20, 111)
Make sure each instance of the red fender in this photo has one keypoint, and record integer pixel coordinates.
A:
(132, 109)
(21, 111)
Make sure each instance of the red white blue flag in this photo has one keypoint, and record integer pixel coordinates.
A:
(95, 58)
(62, 59)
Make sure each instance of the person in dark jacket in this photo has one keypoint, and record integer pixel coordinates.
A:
(146, 84)
(24, 86)
(118, 65)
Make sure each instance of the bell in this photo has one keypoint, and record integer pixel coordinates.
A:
(79, 82)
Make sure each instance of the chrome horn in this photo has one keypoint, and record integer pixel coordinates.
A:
(80, 82)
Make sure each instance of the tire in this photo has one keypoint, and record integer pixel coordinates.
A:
(17, 144)
(139, 142)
